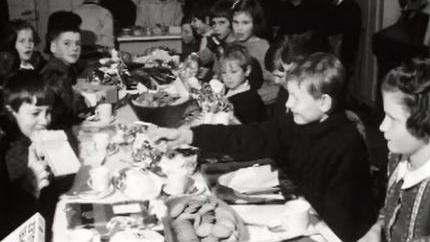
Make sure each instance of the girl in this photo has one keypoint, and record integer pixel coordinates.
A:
(406, 127)
(248, 23)
(21, 39)
(235, 69)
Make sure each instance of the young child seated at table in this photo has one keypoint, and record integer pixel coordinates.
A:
(63, 42)
(406, 127)
(27, 103)
(314, 144)
(20, 40)
(235, 69)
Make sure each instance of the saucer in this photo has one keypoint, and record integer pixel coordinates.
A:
(93, 195)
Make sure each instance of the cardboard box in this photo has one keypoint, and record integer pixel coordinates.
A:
(95, 93)
(32, 230)
(59, 154)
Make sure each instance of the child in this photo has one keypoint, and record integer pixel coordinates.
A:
(21, 38)
(314, 144)
(235, 69)
(27, 102)
(189, 41)
(406, 126)
(64, 44)
(281, 57)
(248, 23)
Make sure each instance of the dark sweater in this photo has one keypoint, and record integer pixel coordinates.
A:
(68, 103)
(327, 161)
(248, 107)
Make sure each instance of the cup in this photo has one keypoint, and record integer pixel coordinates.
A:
(101, 141)
(99, 179)
(295, 218)
(104, 112)
(177, 180)
(80, 235)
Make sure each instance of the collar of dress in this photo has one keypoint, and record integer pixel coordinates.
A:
(241, 88)
(412, 177)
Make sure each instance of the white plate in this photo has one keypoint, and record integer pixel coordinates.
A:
(94, 195)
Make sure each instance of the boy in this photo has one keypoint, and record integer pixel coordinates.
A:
(314, 144)
(64, 44)
(28, 103)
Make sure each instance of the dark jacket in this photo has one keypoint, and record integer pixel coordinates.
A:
(68, 103)
(248, 107)
(327, 161)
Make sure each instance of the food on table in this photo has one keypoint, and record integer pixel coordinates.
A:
(138, 183)
(158, 57)
(157, 99)
(202, 218)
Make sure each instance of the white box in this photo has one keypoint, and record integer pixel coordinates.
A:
(32, 230)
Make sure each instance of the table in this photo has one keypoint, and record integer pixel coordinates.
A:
(138, 44)
(125, 115)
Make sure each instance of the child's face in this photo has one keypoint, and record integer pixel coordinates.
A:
(399, 139)
(24, 44)
(221, 27)
(233, 74)
(243, 27)
(67, 47)
(198, 26)
(187, 33)
(304, 107)
(31, 118)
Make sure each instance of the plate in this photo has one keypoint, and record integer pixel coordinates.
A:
(97, 123)
(193, 188)
(93, 195)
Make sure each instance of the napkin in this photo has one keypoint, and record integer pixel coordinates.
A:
(254, 178)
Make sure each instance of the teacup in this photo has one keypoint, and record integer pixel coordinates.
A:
(104, 112)
(99, 179)
(177, 181)
(142, 185)
(295, 219)
(80, 235)
(101, 141)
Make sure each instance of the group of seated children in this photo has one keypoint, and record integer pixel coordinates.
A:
(310, 138)
(30, 93)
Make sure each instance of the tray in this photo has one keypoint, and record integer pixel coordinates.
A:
(171, 236)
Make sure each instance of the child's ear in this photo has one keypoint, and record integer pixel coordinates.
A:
(248, 71)
(326, 103)
(53, 47)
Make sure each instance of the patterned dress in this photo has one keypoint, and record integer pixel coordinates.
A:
(406, 214)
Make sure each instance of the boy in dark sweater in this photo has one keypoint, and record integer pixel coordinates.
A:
(313, 143)
(63, 42)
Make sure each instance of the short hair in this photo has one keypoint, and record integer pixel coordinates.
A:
(200, 10)
(237, 53)
(254, 9)
(60, 22)
(11, 30)
(26, 86)
(322, 73)
(412, 79)
(291, 48)
(222, 9)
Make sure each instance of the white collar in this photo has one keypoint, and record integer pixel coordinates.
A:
(26, 66)
(241, 88)
(412, 177)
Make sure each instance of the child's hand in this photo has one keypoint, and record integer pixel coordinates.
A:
(39, 170)
(268, 93)
(173, 137)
